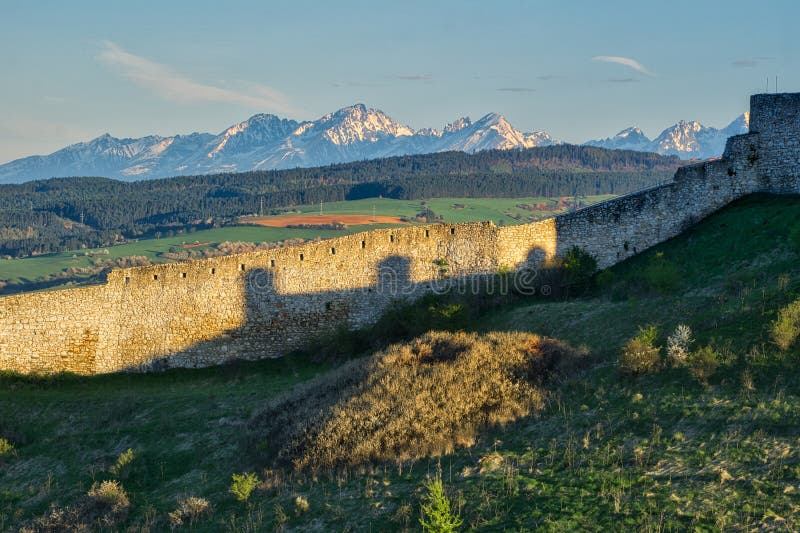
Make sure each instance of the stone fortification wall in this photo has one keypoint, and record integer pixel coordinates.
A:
(205, 312)
(776, 120)
(267, 303)
(617, 229)
(54, 331)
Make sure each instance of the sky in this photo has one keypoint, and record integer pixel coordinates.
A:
(578, 69)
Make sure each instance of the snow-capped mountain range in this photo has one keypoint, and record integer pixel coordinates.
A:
(353, 133)
(687, 139)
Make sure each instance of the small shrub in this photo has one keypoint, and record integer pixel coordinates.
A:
(301, 505)
(6, 448)
(640, 354)
(190, 510)
(605, 280)
(110, 494)
(579, 267)
(703, 363)
(243, 485)
(660, 274)
(786, 328)
(122, 465)
(437, 513)
(679, 344)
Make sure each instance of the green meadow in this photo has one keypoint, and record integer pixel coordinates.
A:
(499, 210)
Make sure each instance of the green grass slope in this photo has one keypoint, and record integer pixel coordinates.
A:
(664, 451)
(500, 210)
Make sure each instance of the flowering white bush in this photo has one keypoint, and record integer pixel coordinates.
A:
(679, 344)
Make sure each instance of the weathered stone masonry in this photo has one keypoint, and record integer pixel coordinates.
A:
(262, 304)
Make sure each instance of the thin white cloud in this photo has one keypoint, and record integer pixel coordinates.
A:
(751, 61)
(625, 61)
(171, 85)
(414, 77)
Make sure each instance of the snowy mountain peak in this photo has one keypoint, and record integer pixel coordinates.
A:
(247, 135)
(491, 118)
(627, 133)
(460, 124)
(263, 117)
(353, 110)
(631, 138)
(683, 138)
(429, 132)
(265, 141)
(686, 138)
(358, 123)
(539, 138)
(357, 132)
(492, 131)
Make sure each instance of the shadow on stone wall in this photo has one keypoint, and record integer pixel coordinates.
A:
(276, 323)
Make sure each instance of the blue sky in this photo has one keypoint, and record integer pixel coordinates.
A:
(579, 69)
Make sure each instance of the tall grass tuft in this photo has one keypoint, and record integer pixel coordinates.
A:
(6, 448)
(786, 329)
(703, 363)
(123, 463)
(110, 494)
(190, 510)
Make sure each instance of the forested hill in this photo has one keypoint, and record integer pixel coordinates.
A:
(66, 213)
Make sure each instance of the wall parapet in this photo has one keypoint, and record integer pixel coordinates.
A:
(266, 303)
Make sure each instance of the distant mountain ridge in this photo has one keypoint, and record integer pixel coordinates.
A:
(687, 139)
(268, 142)
(354, 133)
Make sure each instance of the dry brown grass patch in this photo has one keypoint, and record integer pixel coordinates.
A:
(412, 400)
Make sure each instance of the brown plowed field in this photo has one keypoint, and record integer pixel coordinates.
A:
(315, 220)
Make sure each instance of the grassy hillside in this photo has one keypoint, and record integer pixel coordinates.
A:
(662, 451)
(500, 210)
